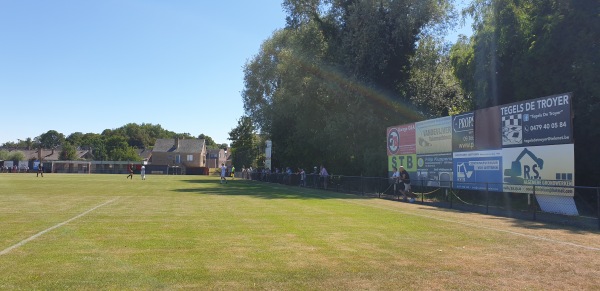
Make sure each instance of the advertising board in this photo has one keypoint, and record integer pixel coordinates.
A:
(478, 170)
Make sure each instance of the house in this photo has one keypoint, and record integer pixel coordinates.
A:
(49, 155)
(179, 153)
(216, 157)
(145, 154)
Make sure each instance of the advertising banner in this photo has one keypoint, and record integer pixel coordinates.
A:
(434, 135)
(435, 169)
(478, 170)
(409, 162)
(542, 121)
(463, 138)
(549, 168)
(488, 129)
(401, 140)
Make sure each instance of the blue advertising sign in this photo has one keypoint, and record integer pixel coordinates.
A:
(542, 121)
(478, 170)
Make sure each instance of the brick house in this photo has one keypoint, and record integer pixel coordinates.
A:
(216, 157)
(179, 152)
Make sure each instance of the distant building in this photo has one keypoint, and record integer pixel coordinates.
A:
(179, 153)
(215, 158)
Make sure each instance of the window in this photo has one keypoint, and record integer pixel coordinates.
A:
(190, 158)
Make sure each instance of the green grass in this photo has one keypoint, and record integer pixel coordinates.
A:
(190, 232)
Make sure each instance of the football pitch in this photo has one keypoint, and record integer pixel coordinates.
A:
(89, 232)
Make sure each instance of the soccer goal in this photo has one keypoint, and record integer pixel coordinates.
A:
(78, 167)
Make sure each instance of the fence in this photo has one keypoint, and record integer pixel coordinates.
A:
(580, 209)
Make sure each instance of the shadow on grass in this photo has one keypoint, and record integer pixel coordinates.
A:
(523, 219)
(263, 190)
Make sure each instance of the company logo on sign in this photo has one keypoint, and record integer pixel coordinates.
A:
(393, 141)
(463, 123)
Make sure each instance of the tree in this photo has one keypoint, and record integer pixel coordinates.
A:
(50, 140)
(243, 143)
(119, 150)
(75, 138)
(432, 85)
(68, 152)
(325, 88)
(210, 143)
(534, 48)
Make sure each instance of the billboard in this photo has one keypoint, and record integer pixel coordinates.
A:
(478, 170)
(509, 148)
(435, 169)
(463, 136)
(542, 121)
(487, 129)
(434, 135)
(543, 166)
(401, 140)
(409, 162)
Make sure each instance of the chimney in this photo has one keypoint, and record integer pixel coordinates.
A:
(176, 143)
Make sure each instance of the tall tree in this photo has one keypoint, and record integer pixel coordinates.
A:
(243, 143)
(325, 88)
(525, 49)
(68, 152)
(52, 139)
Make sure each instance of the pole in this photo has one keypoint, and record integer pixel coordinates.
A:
(533, 204)
(598, 206)
(487, 198)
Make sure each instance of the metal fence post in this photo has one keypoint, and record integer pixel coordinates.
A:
(533, 204)
(422, 192)
(487, 198)
(598, 206)
(362, 185)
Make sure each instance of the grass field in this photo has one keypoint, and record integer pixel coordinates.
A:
(190, 232)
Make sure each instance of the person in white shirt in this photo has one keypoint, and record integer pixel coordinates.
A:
(223, 173)
(143, 172)
(325, 176)
(395, 179)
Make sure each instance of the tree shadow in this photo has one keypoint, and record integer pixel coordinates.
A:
(524, 219)
(263, 190)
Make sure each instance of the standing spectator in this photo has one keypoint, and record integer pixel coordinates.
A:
(395, 179)
(143, 172)
(232, 172)
(223, 173)
(130, 168)
(325, 176)
(302, 177)
(405, 177)
(40, 170)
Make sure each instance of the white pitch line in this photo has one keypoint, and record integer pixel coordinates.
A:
(481, 226)
(9, 249)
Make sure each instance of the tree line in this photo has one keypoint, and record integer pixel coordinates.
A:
(111, 145)
(325, 88)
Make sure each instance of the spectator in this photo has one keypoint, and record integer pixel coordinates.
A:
(325, 176)
(395, 179)
(405, 177)
(223, 173)
(302, 177)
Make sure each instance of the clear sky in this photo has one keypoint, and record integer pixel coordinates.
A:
(92, 65)
(87, 66)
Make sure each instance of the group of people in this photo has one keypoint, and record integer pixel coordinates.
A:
(142, 172)
(401, 176)
(15, 169)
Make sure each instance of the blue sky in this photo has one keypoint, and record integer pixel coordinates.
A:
(92, 65)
